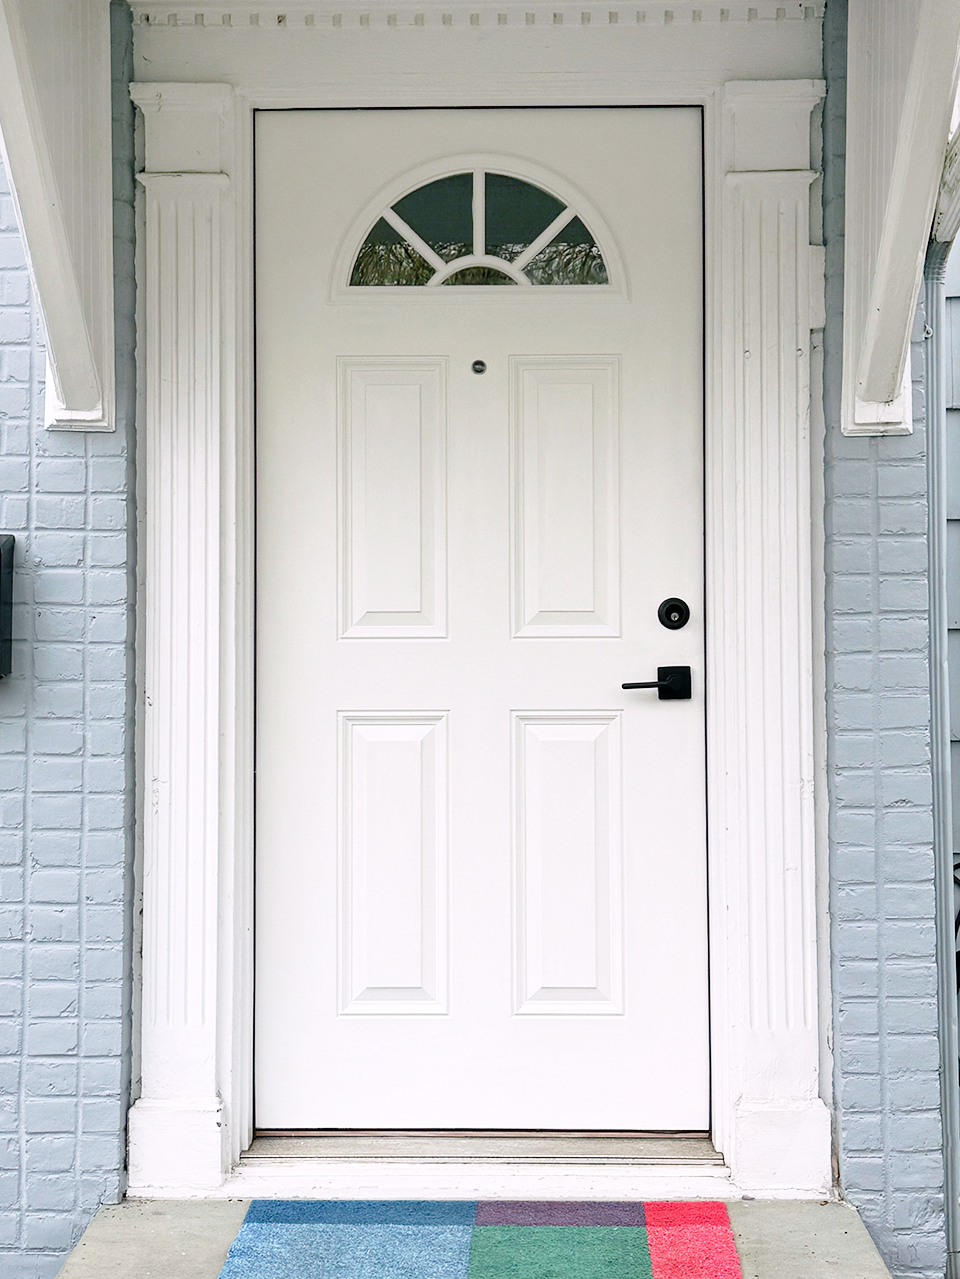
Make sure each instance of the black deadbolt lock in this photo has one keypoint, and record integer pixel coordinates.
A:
(479, 366)
(674, 614)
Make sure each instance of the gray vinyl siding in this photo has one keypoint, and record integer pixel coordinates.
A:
(952, 344)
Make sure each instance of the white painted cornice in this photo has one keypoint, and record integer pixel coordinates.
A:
(185, 126)
(766, 123)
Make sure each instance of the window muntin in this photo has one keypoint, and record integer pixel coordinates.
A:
(479, 228)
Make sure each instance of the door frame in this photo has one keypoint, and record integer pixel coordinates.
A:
(763, 297)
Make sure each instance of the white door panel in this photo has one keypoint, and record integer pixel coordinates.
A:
(565, 493)
(569, 879)
(393, 874)
(393, 528)
(481, 865)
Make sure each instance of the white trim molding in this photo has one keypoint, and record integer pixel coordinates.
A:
(194, 1116)
(901, 83)
(56, 131)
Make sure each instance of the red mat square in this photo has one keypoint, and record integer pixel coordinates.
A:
(690, 1241)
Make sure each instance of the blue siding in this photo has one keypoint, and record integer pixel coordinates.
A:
(66, 758)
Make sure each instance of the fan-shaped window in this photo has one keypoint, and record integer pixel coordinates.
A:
(479, 228)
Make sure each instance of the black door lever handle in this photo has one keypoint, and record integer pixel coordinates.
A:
(672, 682)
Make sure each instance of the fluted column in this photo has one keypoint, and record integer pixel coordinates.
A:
(177, 1125)
(773, 1127)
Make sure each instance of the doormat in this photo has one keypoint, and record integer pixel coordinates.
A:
(422, 1239)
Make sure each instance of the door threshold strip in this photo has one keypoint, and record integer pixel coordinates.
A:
(484, 1147)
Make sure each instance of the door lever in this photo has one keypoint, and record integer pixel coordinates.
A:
(672, 683)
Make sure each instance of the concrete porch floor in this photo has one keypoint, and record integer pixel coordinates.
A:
(189, 1239)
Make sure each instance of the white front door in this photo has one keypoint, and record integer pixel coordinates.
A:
(481, 864)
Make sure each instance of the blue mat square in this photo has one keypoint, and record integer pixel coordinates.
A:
(265, 1250)
(363, 1212)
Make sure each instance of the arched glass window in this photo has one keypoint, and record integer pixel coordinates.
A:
(479, 228)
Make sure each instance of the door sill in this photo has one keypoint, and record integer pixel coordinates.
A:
(482, 1148)
(470, 1165)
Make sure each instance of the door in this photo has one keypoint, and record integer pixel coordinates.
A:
(481, 864)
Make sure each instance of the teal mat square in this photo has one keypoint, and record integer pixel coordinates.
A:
(559, 1252)
(364, 1212)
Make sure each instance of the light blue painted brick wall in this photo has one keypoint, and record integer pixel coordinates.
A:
(66, 800)
(881, 826)
(66, 797)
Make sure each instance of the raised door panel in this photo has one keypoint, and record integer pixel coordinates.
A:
(393, 860)
(566, 489)
(568, 881)
(392, 498)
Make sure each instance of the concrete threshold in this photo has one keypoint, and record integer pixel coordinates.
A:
(189, 1239)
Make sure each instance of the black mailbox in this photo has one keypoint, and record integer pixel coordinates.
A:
(7, 543)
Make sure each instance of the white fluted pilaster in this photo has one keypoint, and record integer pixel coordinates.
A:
(772, 1125)
(177, 1125)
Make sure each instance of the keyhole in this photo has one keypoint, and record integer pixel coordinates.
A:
(479, 366)
(673, 614)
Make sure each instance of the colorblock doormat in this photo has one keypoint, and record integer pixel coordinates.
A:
(382, 1239)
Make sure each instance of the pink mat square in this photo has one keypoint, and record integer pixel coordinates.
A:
(691, 1241)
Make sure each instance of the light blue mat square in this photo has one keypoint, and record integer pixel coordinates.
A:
(269, 1251)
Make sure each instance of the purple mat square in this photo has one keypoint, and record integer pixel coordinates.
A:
(552, 1213)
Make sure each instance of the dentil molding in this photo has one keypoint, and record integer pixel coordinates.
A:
(432, 13)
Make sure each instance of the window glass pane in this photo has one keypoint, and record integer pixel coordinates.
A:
(478, 275)
(383, 233)
(517, 213)
(571, 257)
(387, 259)
(442, 214)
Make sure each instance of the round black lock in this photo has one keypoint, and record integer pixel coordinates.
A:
(674, 614)
(479, 366)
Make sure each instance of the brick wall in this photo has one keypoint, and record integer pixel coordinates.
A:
(881, 826)
(66, 812)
